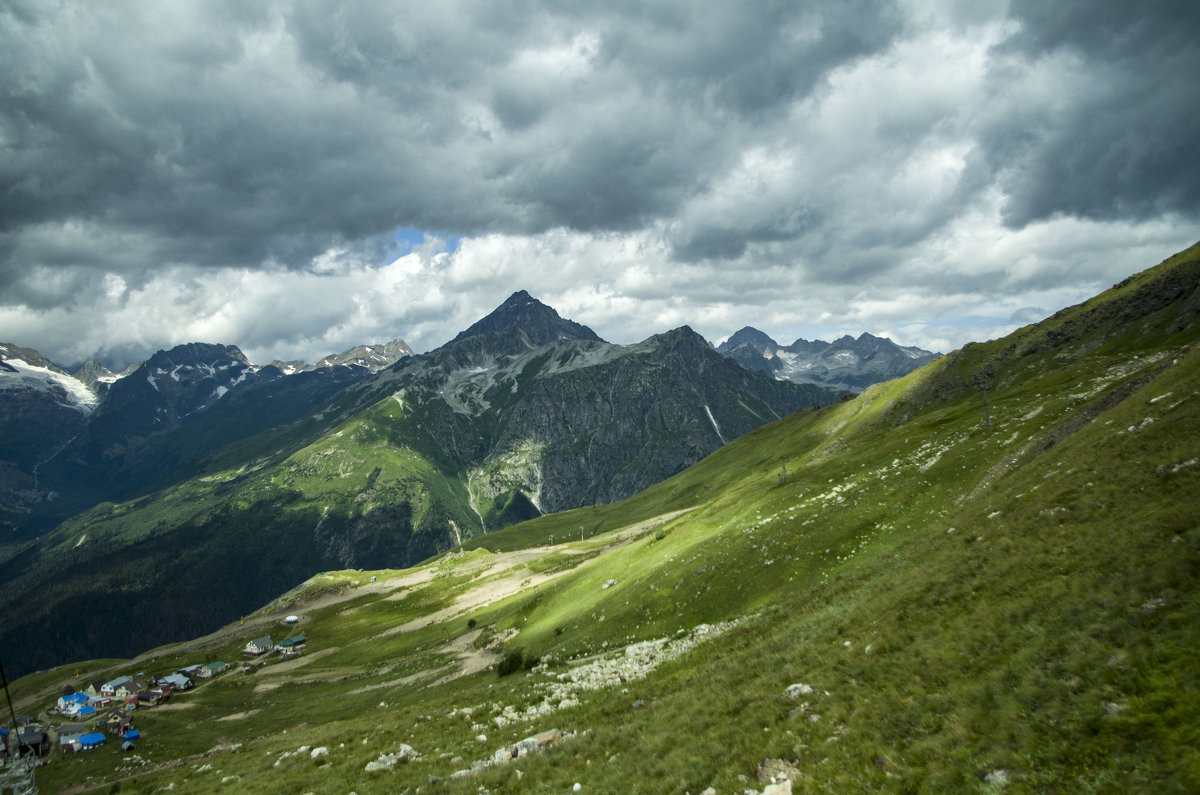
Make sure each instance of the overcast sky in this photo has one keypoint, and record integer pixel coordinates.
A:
(299, 177)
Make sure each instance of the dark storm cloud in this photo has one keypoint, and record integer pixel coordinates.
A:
(1119, 140)
(231, 137)
(169, 164)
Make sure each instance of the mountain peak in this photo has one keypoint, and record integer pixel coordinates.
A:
(749, 337)
(198, 353)
(528, 322)
(519, 298)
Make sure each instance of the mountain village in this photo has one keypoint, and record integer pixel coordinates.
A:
(88, 714)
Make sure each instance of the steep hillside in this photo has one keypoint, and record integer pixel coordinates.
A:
(943, 593)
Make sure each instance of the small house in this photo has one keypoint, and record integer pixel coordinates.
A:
(291, 645)
(118, 722)
(260, 645)
(209, 670)
(177, 681)
(151, 698)
(110, 688)
(74, 700)
(131, 688)
(91, 740)
(133, 735)
(33, 740)
(69, 742)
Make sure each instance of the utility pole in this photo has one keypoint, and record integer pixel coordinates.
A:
(16, 729)
(987, 410)
(783, 462)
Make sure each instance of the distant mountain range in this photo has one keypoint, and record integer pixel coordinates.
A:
(69, 440)
(198, 463)
(846, 363)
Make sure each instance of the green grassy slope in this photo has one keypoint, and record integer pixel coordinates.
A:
(355, 497)
(978, 596)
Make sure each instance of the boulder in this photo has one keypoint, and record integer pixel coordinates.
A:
(797, 690)
(774, 771)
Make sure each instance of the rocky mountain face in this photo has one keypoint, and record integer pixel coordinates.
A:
(847, 363)
(539, 410)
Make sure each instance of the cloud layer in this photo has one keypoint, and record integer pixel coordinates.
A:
(255, 173)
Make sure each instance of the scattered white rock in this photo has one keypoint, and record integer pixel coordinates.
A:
(797, 690)
(317, 753)
(997, 778)
(384, 762)
(637, 660)
(388, 761)
(608, 584)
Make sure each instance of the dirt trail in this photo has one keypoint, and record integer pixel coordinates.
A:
(494, 588)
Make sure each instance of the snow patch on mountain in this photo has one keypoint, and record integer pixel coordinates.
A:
(847, 363)
(713, 420)
(71, 392)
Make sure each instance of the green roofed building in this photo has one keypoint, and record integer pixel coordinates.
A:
(291, 645)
